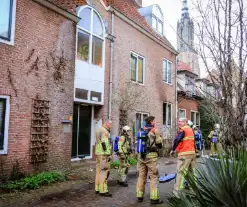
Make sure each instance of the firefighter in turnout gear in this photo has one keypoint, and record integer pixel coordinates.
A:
(184, 145)
(147, 163)
(215, 147)
(103, 151)
(124, 150)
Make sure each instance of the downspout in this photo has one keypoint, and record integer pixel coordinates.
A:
(111, 67)
(176, 94)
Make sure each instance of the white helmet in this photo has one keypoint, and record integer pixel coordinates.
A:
(190, 123)
(217, 126)
(126, 128)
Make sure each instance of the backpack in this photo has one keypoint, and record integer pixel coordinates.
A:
(214, 138)
(115, 146)
(198, 141)
(143, 143)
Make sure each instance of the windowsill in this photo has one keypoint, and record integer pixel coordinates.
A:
(140, 84)
(3, 152)
(168, 83)
(7, 42)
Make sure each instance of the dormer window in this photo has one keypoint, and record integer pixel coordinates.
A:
(157, 19)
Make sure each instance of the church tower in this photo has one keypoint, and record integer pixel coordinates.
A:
(185, 40)
(185, 30)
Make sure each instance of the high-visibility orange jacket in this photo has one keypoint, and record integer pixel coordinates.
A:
(187, 145)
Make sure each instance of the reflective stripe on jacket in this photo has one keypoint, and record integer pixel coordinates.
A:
(187, 145)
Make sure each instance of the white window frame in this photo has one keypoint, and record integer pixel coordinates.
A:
(6, 126)
(167, 103)
(137, 56)
(91, 34)
(195, 112)
(181, 110)
(142, 120)
(167, 61)
(12, 35)
(158, 20)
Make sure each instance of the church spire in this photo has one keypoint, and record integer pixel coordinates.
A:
(185, 9)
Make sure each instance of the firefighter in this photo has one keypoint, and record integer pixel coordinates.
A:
(215, 145)
(124, 150)
(184, 145)
(103, 152)
(147, 163)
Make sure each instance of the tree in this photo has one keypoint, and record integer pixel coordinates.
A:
(222, 36)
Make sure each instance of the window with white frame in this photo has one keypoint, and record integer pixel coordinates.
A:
(167, 114)
(167, 71)
(182, 113)
(137, 68)
(4, 123)
(7, 20)
(90, 36)
(140, 120)
(195, 118)
(157, 19)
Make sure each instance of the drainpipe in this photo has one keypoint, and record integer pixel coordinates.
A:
(176, 92)
(111, 66)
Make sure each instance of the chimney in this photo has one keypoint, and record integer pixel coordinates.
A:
(139, 3)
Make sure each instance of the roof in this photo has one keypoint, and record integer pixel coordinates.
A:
(131, 10)
(183, 66)
(69, 6)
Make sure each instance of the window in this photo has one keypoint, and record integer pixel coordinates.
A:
(157, 19)
(195, 118)
(90, 37)
(140, 120)
(190, 85)
(137, 68)
(167, 71)
(4, 123)
(167, 114)
(7, 20)
(182, 113)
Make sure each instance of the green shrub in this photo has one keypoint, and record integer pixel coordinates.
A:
(116, 163)
(133, 161)
(35, 181)
(220, 182)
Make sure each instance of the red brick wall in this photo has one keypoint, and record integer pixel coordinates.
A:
(42, 31)
(155, 89)
(187, 104)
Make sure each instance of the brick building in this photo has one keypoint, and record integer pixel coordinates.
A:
(80, 61)
(37, 47)
(125, 69)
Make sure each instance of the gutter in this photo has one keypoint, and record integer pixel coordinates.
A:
(58, 10)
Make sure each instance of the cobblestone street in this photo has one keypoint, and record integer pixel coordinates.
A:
(122, 197)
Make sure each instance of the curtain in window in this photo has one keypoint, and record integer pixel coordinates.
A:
(140, 70)
(2, 120)
(133, 67)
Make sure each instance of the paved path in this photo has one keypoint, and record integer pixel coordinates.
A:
(122, 197)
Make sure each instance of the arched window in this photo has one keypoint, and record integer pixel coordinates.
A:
(90, 36)
(157, 19)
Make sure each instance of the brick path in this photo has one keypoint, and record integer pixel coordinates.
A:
(122, 197)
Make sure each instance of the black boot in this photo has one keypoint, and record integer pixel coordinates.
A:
(106, 194)
(96, 192)
(123, 184)
(156, 202)
(140, 200)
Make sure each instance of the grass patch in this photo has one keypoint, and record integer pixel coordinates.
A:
(35, 181)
